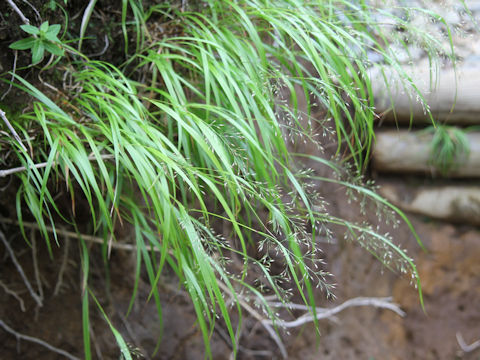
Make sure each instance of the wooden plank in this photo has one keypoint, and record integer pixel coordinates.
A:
(453, 99)
(459, 204)
(401, 151)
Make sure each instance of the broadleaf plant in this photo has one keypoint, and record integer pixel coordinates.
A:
(44, 38)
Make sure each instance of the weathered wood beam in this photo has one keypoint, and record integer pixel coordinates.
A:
(401, 151)
(453, 203)
(452, 95)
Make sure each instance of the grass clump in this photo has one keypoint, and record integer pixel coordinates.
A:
(192, 131)
(449, 148)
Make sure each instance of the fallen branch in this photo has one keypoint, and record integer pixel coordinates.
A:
(322, 313)
(35, 340)
(66, 233)
(463, 345)
(7, 172)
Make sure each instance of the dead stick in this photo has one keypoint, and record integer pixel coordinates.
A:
(37, 341)
(12, 77)
(12, 130)
(464, 346)
(18, 11)
(35, 297)
(66, 233)
(384, 303)
(14, 294)
(7, 172)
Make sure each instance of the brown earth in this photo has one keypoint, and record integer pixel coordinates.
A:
(451, 288)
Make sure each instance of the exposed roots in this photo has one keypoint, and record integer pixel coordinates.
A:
(38, 299)
(35, 340)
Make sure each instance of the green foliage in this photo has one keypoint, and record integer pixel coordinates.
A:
(449, 148)
(44, 38)
(138, 22)
(85, 20)
(200, 137)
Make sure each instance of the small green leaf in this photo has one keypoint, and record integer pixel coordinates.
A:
(52, 5)
(37, 52)
(30, 29)
(52, 37)
(52, 48)
(53, 30)
(44, 27)
(23, 44)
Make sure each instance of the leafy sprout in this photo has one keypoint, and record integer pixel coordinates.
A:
(44, 38)
(449, 148)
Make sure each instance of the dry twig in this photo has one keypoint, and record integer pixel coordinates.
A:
(14, 294)
(34, 295)
(35, 340)
(104, 50)
(322, 313)
(66, 233)
(7, 172)
(37, 14)
(10, 83)
(12, 130)
(18, 11)
(464, 346)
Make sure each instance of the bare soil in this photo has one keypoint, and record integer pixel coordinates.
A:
(451, 287)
